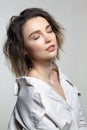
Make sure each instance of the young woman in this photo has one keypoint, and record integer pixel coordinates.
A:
(47, 100)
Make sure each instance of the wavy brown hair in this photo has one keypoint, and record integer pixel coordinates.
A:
(13, 47)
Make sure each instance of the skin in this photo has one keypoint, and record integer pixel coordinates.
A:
(40, 45)
(38, 36)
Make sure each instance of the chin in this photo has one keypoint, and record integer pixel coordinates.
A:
(52, 56)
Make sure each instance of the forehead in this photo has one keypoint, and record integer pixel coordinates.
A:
(35, 23)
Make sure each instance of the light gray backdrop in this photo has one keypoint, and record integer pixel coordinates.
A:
(72, 14)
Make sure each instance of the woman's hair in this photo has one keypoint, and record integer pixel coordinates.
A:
(13, 47)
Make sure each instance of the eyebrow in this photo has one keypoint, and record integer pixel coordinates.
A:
(38, 31)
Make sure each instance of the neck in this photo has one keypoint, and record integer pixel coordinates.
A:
(42, 70)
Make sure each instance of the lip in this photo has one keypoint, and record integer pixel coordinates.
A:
(51, 48)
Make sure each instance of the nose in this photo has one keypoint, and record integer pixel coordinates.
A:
(47, 38)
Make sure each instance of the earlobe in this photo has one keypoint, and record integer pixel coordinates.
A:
(25, 51)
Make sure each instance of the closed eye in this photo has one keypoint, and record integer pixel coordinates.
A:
(35, 38)
(49, 29)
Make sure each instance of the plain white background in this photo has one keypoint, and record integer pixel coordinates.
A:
(72, 14)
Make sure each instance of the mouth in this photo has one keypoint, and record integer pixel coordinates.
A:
(51, 48)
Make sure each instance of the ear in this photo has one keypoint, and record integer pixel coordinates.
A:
(25, 52)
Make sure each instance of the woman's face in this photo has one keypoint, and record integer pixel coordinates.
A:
(39, 39)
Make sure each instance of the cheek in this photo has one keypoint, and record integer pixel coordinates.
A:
(54, 38)
(35, 48)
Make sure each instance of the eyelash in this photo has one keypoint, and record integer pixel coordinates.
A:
(50, 31)
(36, 38)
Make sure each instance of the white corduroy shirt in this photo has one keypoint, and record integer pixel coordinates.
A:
(39, 107)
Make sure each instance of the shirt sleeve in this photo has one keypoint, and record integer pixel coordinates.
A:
(29, 112)
(82, 122)
(82, 125)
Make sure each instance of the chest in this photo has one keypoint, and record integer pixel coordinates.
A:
(57, 86)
